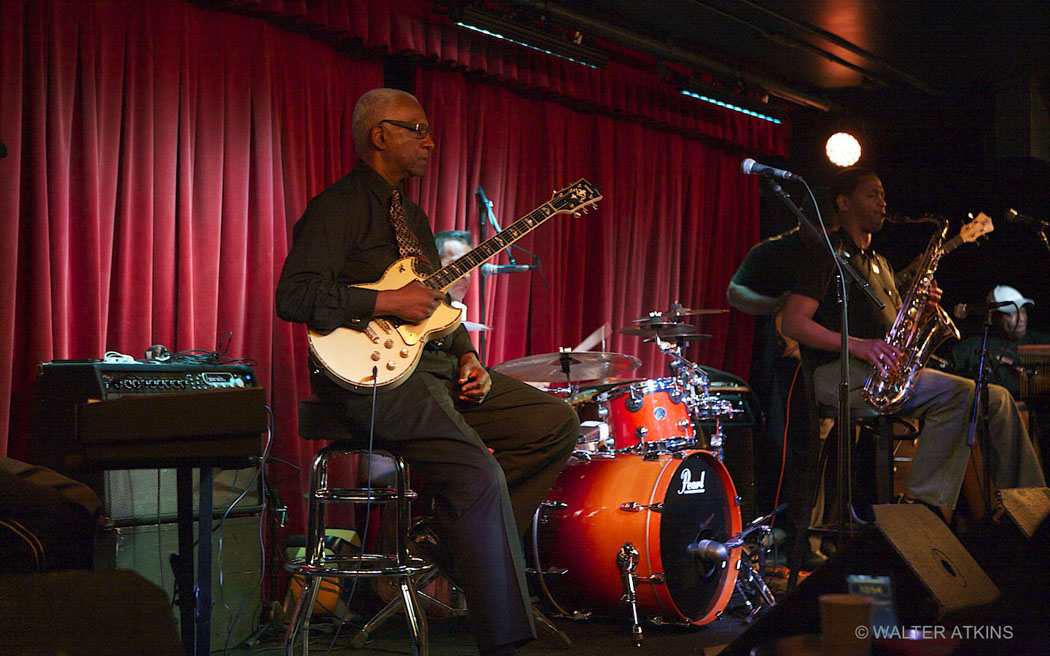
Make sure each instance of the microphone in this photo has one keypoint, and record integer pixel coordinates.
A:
(751, 167)
(493, 269)
(963, 310)
(708, 550)
(1013, 216)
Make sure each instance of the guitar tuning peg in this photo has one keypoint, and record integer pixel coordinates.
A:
(576, 214)
(584, 210)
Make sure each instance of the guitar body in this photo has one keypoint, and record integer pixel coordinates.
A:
(348, 356)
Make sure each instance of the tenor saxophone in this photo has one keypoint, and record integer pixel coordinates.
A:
(917, 332)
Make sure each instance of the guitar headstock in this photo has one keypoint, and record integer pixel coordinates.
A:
(575, 198)
(980, 225)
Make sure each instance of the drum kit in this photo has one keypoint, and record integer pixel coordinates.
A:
(645, 513)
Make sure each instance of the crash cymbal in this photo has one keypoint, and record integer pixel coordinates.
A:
(583, 365)
(674, 313)
(474, 326)
(657, 329)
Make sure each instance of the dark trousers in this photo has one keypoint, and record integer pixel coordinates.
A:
(483, 500)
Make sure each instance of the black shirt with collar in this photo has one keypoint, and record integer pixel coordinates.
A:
(817, 279)
(343, 238)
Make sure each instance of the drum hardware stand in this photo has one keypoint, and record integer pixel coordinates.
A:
(626, 562)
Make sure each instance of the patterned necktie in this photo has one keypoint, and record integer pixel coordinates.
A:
(407, 243)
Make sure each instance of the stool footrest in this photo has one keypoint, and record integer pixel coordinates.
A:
(366, 565)
(360, 495)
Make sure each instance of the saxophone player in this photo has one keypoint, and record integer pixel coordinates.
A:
(812, 316)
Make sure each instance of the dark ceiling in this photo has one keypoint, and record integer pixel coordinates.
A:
(838, 51)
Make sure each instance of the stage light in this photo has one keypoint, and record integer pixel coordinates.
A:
(499, 28)
(843, 149)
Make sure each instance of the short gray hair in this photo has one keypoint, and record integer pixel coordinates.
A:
(368, 109)
(445, 236)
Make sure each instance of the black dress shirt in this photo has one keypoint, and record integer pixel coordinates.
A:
(343, 238)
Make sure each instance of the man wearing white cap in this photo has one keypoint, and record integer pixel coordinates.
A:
(1009, 329)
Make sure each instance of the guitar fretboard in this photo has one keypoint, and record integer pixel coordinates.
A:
(443, 278)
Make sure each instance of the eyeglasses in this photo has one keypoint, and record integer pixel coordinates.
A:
(422, 130)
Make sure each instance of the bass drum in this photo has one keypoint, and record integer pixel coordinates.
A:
(660, 506)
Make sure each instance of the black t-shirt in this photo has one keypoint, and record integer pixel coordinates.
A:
(816, 278)
(769, 267)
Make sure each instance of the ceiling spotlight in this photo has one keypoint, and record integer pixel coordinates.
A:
(843, 149)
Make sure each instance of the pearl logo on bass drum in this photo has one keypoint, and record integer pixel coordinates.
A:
(688, 486)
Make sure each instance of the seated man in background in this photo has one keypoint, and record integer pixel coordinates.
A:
(1009, 330)
(1003, 366)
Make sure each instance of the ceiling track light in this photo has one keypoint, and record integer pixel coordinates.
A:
(728, 101)
(505, 30)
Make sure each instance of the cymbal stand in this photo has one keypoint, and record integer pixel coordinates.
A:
(696, 386)
(565, 359)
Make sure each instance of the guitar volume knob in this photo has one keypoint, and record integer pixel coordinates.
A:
(376, 356)
(388, 343)
(404, 352)
(391, 365)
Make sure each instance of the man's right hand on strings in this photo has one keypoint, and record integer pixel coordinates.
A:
(414, 302)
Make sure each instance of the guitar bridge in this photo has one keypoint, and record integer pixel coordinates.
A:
(370, 333)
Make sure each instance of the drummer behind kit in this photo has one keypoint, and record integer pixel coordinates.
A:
(645, 513)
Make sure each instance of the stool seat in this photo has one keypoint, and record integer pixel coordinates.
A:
(317, 422)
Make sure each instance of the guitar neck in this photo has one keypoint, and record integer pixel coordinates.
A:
(444, 277)
(951, 244)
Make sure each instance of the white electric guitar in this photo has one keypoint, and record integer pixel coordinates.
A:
(387, 351)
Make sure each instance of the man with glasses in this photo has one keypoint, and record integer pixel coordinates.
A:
(489, 447)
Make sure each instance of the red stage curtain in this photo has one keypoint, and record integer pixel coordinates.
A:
(160, 153)
(676, 219)
(161, 158)
(627, 88)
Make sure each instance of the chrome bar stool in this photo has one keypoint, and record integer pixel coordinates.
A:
(317, 422)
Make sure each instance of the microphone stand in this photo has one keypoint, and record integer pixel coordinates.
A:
(845, 455)
(485, 215)
(979, 417)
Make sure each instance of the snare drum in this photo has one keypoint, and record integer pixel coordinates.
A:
(647, 411)
(660, 506)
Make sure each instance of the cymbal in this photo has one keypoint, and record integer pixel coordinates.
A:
(657, 328)
(684, 338)
(583, 365)
(474, 326)
(676, 311)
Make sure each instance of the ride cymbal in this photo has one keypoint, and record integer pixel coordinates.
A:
(582, 365)
(657, 329)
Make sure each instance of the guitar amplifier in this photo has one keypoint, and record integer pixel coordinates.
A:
(1035, 376)
(135, 495)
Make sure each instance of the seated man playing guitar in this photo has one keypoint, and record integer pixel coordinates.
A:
(489, 447)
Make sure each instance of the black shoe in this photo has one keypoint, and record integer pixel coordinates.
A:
(423, 542)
